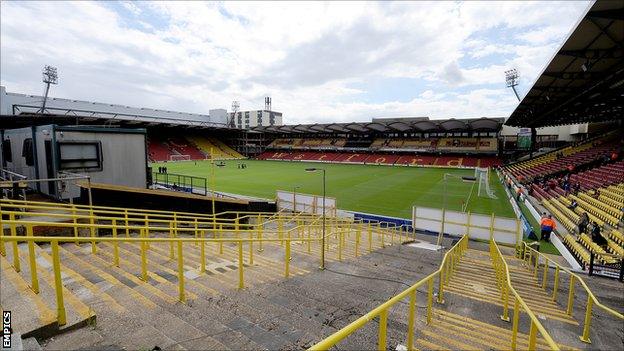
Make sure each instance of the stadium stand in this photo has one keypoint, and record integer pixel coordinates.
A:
(488, 145)
(196, 147)
(383, 158)
(183, 147)
(560, 160)
(158, 151)
(219, 149)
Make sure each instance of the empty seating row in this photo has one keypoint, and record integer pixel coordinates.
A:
(571, 156)
(605, 217)
(615, 248)
(577, 249)
(308, 143)
(616, 236)
(601, 257)
(462, 144)
(382, 158)
(218, 149)
(616, 213)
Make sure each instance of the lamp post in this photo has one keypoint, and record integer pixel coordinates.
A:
(295, 199)
(323, 218)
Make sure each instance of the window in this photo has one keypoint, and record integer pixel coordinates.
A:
(6, 150)
(84, 155)
(27, 152)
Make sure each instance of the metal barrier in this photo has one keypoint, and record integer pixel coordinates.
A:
(132, 215)
(504, 283)
(598, 265)
(181, 182)
(447, 267)
(250, 236)
(529, 255)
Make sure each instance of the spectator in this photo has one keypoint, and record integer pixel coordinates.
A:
(577, 188)
(573, 205)
(583, 223)
(519, 192)
(547, 226)
(596, 236)
(566, 188)
(570, 168)
(614, 156)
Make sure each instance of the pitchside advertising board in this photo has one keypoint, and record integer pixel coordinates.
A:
(524, 138)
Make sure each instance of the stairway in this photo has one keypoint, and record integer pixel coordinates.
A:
(470, 317)
(132, 313)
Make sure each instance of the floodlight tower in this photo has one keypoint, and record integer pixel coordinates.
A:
(235, 108)
(511, 78)
(50, 76)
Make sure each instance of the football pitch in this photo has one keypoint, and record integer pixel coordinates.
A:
(385, 190)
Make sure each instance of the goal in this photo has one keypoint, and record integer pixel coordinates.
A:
(482, 176)
(180, 157)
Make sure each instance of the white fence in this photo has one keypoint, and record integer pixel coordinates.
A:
(305, 203)
(477, 226)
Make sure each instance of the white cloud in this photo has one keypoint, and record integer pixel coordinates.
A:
(194, 56)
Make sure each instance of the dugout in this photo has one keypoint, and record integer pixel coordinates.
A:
(115, 156)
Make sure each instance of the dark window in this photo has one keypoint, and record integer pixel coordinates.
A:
(27, 152)
(85, 155)
(6, 151)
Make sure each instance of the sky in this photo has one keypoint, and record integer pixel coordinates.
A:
(319, 61)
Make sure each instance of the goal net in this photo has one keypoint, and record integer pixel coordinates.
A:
(180, 157)
(482, 176)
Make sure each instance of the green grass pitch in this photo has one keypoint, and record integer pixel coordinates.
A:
(385, 190)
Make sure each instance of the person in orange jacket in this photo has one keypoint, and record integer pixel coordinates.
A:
(547, 225)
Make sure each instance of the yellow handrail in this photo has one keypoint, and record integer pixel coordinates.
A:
(591, 298)
(144, 240)
(504, 280)
(121, 210)
(381, 311)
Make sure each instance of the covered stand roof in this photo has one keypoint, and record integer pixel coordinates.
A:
(420, 125)
(584, 81)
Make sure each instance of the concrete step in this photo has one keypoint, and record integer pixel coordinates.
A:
(151, 310)
(30, 314)
(452, 331)
(284, 328)
(78, 314)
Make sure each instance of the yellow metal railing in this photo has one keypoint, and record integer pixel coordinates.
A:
(224, 217)
(447, 267)
(504, 283)
(249, 237)
(532, 258)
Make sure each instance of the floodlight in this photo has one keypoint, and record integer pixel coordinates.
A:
(50, 75)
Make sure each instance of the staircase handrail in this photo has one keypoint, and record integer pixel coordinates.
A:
(502, 271)
(448, 264)
(591, 298)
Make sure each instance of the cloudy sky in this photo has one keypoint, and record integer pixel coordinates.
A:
(319, 61)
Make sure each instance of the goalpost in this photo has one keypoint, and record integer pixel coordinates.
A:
(482, 176)
(180, 158)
